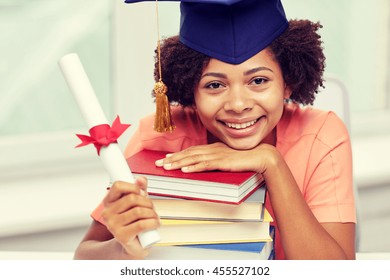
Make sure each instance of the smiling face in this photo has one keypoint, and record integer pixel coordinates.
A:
(241, 104)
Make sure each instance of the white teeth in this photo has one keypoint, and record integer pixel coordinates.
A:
(241, 125)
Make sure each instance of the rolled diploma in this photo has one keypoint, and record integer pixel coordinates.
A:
(111, 155)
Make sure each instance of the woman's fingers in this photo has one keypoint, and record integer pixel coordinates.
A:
(200, 157)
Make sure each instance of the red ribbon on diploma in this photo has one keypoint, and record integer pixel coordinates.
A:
(103, 134)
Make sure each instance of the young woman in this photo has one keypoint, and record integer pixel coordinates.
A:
(241, 117)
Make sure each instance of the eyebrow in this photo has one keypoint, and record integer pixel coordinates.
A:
(214, 74)
(246, 73)
(257, 69)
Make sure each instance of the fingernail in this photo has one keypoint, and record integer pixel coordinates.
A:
(185, 169)
(167, 166)
(159, 162)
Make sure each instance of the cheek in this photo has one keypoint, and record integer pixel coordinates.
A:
(206, 114)
(273, 107)
(273, 102)
(277, 110)
(206, 106)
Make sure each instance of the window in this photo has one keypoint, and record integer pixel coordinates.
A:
(357, 42)
(37, 111)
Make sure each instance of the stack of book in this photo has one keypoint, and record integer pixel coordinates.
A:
(225, 187)
(215, 213)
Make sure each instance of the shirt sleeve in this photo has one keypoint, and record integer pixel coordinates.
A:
(134, 145)
(329, 189)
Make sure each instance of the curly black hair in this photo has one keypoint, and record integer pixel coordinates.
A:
(298, 51)
(300, 55)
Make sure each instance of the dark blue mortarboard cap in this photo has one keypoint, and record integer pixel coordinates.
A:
(229, 30)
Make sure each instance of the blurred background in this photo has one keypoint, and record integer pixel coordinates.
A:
(48, 188)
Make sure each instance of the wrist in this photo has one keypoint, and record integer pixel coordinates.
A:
(275, 170)
(277, 174)
(271, 159)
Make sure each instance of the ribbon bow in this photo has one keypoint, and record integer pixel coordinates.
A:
(103, 134)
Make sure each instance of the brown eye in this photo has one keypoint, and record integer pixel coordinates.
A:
(214, 85)
(258, 81)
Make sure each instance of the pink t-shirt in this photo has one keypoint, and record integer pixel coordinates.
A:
(315, 144)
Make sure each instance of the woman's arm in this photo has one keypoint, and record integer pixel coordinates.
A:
(303, 237)
(99, 244)
(127, 213)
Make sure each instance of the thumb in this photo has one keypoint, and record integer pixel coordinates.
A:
(142, 183)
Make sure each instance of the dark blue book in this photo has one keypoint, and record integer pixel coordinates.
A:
(254, 247)
(264, 250)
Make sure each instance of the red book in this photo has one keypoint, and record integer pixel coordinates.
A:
(218, 186)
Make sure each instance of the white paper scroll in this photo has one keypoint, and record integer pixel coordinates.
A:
(111, 156)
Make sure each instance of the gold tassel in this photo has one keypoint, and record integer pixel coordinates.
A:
(163, 119)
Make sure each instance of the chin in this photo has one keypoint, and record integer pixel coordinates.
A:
(241, 145)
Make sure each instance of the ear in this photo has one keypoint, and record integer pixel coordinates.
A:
(287, 92)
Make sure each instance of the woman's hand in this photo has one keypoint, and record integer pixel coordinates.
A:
(219, 156)
(127, 213)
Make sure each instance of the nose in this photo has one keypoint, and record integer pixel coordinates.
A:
(238, 100)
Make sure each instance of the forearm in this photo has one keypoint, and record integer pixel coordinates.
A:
(98, 250)
(101, 250)
(302, 236)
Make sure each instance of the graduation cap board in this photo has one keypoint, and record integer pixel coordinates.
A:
(229, 30)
